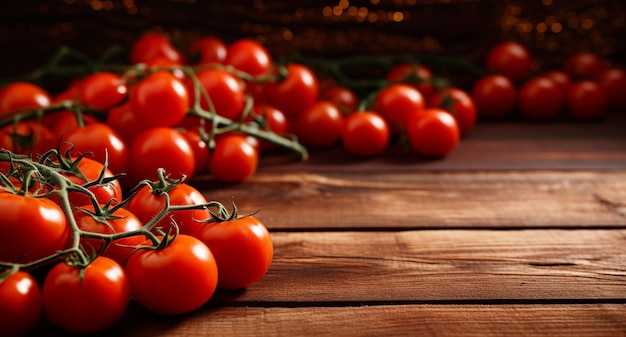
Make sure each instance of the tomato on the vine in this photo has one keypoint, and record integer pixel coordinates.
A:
(458, 103)
(160, 99)
(20, 304)
(102, 90)
(295, 93)
(32, 228)
(433, 132)
(234, 159)
(127, 124)
(101, 140)
(153, 45)
(68, 122)
(397, 103)
(208, 50)
(248, 56)
(343, 97)
(88, 301)
(495, 96)
(417, 75)
(273, 120)
(26, 137)
(586, 100)
(242, 249)
(200, 148)
(22, 95)
(173, 280)
(509, 59)
(320, 125)
(225, 91)
(365, 134)
(541, 99)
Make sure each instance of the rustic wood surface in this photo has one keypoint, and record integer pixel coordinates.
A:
(520, 232)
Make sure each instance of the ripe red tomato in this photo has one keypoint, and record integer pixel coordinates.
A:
(153, 45)
(101, 140)
(397, 103)
(613, 81)
(433, 132)
(343, 97)
(68, 122)
(509, 59)
(32, 228)
(226, 91)
(541, 99)
(294, 94)
(559, 77)
(242, 249)
(234, 159)
(102, 90)
(417, 75)
(20, 304)
(88, 301)
(22, 95)
(584, 66)
(458, 103)
(127, 124)
(160, 99)
(495, 96)
(320, 125)
(208, 50)
(26, 137)
(365, 134)
(586, 101)
(156, 148)
(273, 120)
(200, 149)
(174, 280)
(248, 56)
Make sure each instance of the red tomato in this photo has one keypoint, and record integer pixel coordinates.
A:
(147, 203)
(272, 120)
(101, 140)
(226, 91)
(559, 78)
(417, 75)
(156, 148)
(68, 123)
(320, 125)
(20, 304)
(71, 91)
(613, 81)
(433, 133)
(242, 249)
(397, 103)
(160, 99)
(234, 159)
(541, 99)
(343, 97)
(509, 59)
(495, 96)
(208, 50)
(459, 103)
(32, 228)
(174, 280)
(22, 95)
(586, 100)
(27, 137)
(102, 90)
(127, 124)
(88, 301)
(584, 66)
(153, 45)
(120, 221)
(200, 149)
(248, 56)
(294, 94)
(365, 134)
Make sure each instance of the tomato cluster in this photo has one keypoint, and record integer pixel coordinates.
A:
(75, 250)
(583, 89)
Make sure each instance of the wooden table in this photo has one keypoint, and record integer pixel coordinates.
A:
(520, 232)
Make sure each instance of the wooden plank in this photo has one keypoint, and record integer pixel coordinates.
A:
(406, 200)
(592, 320)
(441, 266)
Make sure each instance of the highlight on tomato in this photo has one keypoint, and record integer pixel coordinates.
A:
(433, 133)
(20, 303)
(365, 134)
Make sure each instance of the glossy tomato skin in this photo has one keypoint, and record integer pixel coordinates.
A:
(397, 103)
(242, 248)
(152, 45)
(208, 50)
(509, 59)
(234, 159)
(68, 123)
(127, 124)
(365, 134)
(433, 133)
(458, 103)
(584, 66)
(495, 96)
(613, 81)
(586, 101)
(226, 91)
(343, 97)
(27, 137)
(417, 75)
(177, 279)
(22, 95)
(32, 228)
(87, 305)
(20, 304)
(297, 92)
(160, 99)
(248, 56)
(102, 90)
(200, 149)
(320, 125)
(101, 140)
(541, 99)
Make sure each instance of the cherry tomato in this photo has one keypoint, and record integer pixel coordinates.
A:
(509, 59)
(559, 77)
(101, 140)
(541, 99)
(248, 56)
(419, 76)
(22, 95)
(433, 132)
(226, 91)
(613, 81)
(152, 45)
(584, 66)
(102, 90)
(200, 149)
(160, 99)
(397, 103)
(234, 159)
(586, 100)
(242, 249)
(174, 280)
(88, 301)
(495, 96)
(208, 50)
(343, 97)
(32, 228)
(20, 304)
(294, 94)
(27, 137)
(68, 123)
(459, 103)
(272, 120)
(164, 148)
(320, 125)
(127, 124)
(365, 134)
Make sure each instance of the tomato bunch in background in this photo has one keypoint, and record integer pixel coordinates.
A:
(583, 89)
